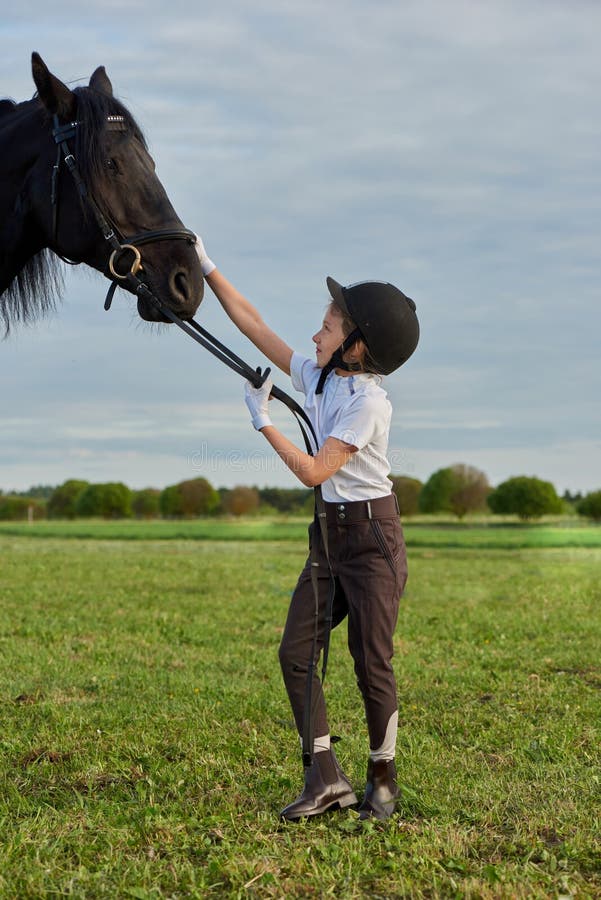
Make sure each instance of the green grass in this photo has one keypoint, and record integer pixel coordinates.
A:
(146, 744)
(425, 532)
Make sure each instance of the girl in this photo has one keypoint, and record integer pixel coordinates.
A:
(369, 330)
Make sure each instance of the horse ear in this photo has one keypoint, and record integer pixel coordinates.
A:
(101, 82)
(56, 96)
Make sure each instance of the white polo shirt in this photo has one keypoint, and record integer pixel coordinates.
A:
(354, 409)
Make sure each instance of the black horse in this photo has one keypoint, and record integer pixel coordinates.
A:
(41, 208)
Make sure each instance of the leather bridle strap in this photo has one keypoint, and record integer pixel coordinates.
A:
(162, 234)
(110, 232)
(61, 134)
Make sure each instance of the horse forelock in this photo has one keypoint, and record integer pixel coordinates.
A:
(93, 111)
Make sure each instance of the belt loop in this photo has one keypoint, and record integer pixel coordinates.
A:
(368, 509)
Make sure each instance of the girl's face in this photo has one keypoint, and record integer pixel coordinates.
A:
(329, 337)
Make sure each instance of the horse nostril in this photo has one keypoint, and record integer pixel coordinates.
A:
(180, 286)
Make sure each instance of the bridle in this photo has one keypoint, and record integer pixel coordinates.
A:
(121, 245)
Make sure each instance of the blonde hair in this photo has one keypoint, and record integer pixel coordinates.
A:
(367, 362)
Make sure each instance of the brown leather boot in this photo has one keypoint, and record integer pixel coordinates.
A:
(381, 790)
(326, 787)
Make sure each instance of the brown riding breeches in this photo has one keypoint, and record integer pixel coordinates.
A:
(367, 555)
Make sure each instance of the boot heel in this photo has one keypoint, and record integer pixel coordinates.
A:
(381, 790)
(347, 800)
(326, 788)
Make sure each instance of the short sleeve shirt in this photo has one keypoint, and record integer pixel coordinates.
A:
(354, 409)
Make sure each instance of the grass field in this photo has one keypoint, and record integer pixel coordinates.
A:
(480, 534)
(147, 745)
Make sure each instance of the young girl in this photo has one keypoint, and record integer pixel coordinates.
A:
(369, 329)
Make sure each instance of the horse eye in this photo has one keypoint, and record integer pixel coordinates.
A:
(112, 166)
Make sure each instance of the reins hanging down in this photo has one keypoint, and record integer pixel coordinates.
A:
(120, 246)
(256, 377)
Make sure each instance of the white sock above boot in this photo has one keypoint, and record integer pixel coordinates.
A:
(388, 747)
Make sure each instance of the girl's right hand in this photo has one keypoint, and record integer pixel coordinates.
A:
(256, 401)
(206, 265)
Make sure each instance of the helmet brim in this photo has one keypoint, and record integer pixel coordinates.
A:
(337, 293)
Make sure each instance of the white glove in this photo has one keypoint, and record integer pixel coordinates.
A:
(257, 400)
(207, 265)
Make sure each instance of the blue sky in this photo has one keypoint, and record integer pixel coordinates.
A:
(449, 147)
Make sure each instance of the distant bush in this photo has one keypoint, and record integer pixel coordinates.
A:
(14, 508)
(241, 501)
(435, 495)
(407, 492)
(111, 500)
(287, 500)
(36, 492)
(189, 499)
(63, 500)
(457, 489)
(469, 491)
(526, 497)
(145, 503)
(590, 506)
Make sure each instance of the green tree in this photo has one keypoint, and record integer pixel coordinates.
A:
(469, 491)
(286, 500)
(188, 499)
(436, 493)
(590, 506)
(169, 501)
(526, 497)
(63, 499)
(111, 500)
(15, 508)
(407, 492)
(36, 492)
(145, 503)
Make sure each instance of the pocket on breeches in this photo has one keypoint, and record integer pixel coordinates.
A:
(388, 536)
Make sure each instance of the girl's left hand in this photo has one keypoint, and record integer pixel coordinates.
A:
(257, 400)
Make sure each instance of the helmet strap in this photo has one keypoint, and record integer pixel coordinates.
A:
(336, 361)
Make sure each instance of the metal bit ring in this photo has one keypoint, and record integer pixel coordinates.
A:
(135, 266)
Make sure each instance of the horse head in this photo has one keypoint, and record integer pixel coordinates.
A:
(119, 175)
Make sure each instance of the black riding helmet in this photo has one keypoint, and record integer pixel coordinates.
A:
(385, 318)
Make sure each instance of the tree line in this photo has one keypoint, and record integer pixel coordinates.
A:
(456, 490)
(186, 499)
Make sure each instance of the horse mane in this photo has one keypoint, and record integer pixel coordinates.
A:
(37, 288)
(6, 106)
(34, 291)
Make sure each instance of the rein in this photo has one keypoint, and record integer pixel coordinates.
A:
(123, 245)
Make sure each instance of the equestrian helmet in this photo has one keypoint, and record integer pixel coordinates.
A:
(385, 317)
